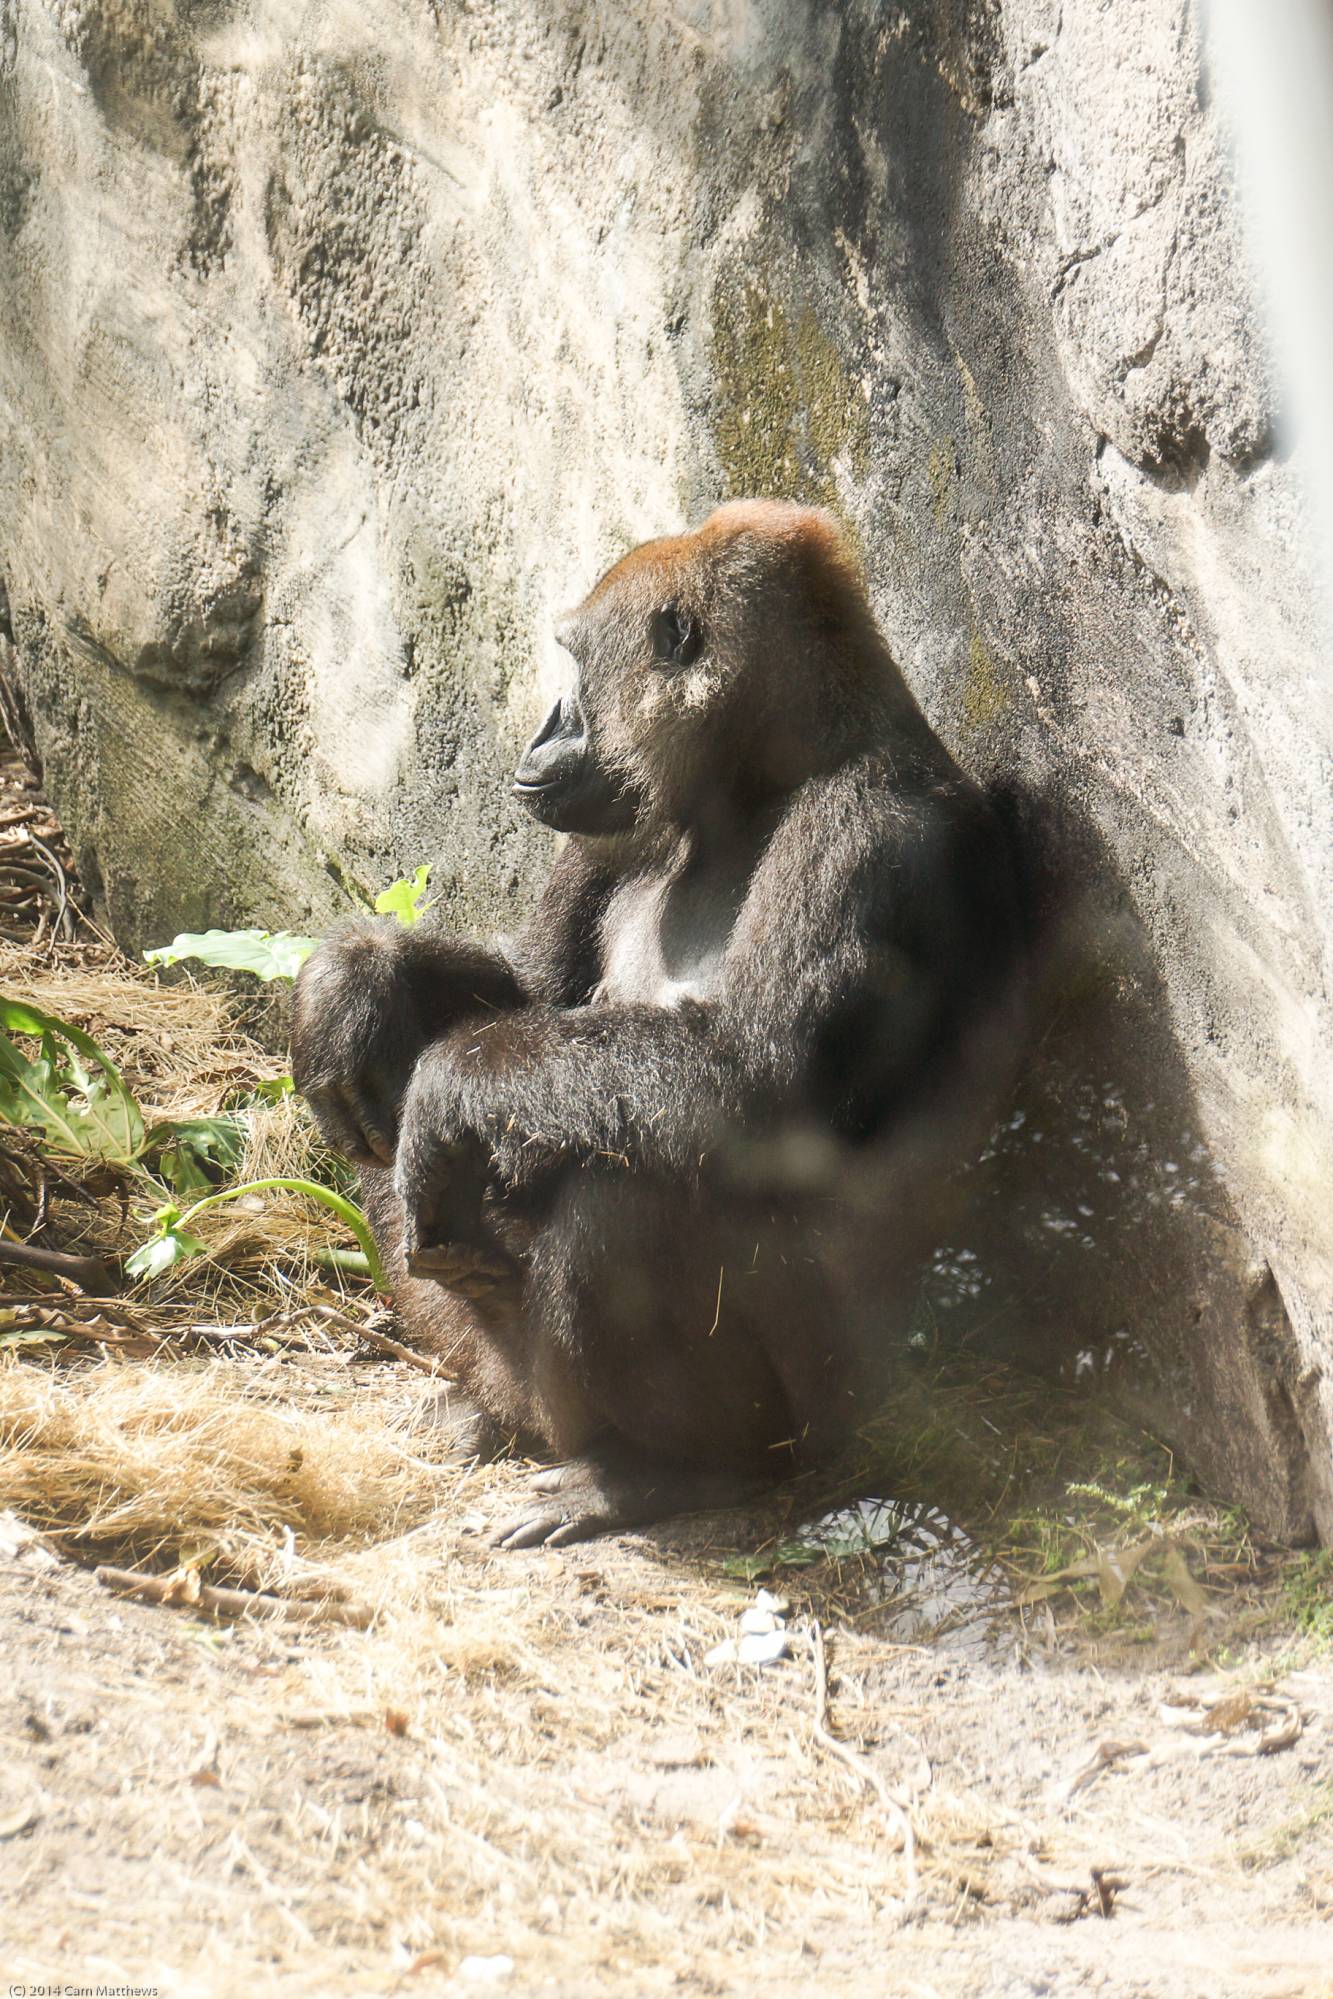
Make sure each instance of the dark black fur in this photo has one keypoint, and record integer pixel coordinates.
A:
(659, 1177)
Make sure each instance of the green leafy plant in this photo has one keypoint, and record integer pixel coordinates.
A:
(280, 954)
(405, 899)
(69, 1090)
(174, 1244)
(74, 1095)
(1307, 1592)
(269, 954)
(273, 1089)
(193, 1154)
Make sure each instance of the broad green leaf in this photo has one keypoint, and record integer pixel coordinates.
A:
(162, 1251)
(91, 1115)
(181, 1171)
(272, 1089)
(269, 954)
(748, 1567)
(183, 1149)
(405, 899)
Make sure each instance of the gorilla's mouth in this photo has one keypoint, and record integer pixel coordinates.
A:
(562, 782)
(583, 801)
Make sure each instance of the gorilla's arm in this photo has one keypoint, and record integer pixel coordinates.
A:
(367, 1002)
(882, 923)
(839, 981)
(376, 993)
(557, 954)
(641, 1086)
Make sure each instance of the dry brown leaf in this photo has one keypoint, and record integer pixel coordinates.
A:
(1185, 1588)
(1230, 1713)
(1115, 1569)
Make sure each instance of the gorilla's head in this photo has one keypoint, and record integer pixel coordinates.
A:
(705, 665)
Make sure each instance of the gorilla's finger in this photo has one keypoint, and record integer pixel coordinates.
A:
(450, 1262)
(442, 1185)
(338, 1126)
(585, 1527)
(530, 1532)
(373, 1119)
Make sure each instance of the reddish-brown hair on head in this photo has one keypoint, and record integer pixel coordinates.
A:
(785, 523)
(808, 538)
(808, 541)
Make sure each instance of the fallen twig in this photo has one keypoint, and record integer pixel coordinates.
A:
(183, 1590)
(1103, 1758)
(59, 1317)
(88, 1272)
(380, 1341)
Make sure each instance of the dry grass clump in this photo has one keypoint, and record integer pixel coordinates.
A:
(179, 1046)
(159, 1465)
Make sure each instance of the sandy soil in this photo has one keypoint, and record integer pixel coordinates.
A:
(533, 1763)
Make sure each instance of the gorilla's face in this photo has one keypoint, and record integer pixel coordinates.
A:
(628, 742)
(674, 694)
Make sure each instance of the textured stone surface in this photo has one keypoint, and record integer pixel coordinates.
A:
(340, 346)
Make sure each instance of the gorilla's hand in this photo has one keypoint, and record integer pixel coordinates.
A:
(442, 1173)
(358, 1026)
(367, 1003)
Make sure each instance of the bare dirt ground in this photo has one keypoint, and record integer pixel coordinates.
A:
(533, 1763)
(1061, 1728)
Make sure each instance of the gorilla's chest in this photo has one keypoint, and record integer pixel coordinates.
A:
(664, 938)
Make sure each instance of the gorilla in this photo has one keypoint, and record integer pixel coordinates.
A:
(656, 1178)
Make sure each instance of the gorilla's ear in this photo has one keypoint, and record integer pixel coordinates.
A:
(678, 638)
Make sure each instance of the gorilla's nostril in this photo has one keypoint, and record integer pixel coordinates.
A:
(551, 728)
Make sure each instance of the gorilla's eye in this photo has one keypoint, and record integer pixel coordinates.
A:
(678, 638)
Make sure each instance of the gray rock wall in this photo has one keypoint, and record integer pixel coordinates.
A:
(341, 345)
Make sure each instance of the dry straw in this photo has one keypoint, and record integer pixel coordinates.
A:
(185, 1461)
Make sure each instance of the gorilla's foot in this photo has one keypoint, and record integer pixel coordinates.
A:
(471, 1433)
(613, 1487)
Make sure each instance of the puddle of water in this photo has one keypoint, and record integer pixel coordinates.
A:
(935, 1585)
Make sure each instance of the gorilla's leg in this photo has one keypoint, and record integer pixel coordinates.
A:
(679, 1352)
(663, 1313)
(481, 1341)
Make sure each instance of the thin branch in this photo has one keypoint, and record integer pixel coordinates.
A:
(88, 1272)
(187, 1594)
